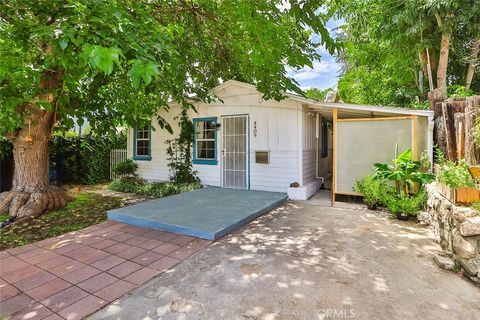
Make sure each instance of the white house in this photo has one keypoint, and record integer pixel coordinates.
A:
(243, 141)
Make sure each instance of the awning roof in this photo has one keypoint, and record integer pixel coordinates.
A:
(346, 110)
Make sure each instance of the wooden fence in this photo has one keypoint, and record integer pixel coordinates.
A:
(455, 121)
(116, 156)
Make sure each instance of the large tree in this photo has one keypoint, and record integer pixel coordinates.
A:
(391, 41)
(116, 62)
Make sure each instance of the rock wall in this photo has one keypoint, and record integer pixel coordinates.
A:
(457, 229)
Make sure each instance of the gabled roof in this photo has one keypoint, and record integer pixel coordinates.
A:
(346, 108)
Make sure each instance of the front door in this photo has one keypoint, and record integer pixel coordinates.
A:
(235, 152)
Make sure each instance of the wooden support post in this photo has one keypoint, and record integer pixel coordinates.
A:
(334, 156)
(415, 155)
(449, 131)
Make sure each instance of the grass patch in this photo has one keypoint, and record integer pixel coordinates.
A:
(85, 210)
(3, 217)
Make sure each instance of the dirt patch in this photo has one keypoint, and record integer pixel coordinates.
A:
(84, 210)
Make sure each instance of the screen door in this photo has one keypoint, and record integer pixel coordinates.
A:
(235, 152)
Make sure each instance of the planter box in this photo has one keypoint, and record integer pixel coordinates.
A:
(463, 195)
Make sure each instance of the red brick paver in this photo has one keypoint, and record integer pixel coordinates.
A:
(76, 274)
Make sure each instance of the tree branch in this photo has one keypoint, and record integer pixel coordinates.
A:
(439, 20)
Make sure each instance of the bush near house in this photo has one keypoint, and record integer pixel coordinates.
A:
(399, 187)
(153, 189)
(130, 183)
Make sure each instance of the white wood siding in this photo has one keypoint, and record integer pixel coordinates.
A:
(276, 131)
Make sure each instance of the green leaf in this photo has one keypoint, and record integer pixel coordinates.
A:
(63, 43)
(143, 70)
(102, 58)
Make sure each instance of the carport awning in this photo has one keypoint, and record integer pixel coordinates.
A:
(346, 110)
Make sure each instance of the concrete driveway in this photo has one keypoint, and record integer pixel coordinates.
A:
(304, 261)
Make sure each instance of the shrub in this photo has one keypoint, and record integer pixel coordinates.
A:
(154, 189)
(126, 168)
(165, 189)
(373, 191)
(455, 175)
(406, 173)
(407, 204)
(127, 184)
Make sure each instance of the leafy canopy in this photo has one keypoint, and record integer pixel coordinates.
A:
(121, 61)
(387, 39)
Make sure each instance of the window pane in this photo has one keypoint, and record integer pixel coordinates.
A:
(142, 148)
(205, 130)
(211, 154)
(205, 149)
(142, 132)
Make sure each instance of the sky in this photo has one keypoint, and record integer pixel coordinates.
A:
(325, 72)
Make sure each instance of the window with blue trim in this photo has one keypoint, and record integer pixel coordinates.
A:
(205, 147)
(141, 144)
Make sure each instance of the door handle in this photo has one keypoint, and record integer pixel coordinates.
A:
(223, 152)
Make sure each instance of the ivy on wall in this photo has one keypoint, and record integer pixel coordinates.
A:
(179, 152)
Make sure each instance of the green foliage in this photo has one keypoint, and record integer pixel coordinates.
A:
(119, 62)
(455, 175)
(179, 152)
(78, 159)
(458, 91)
(373, 191)
(405, 203)
(85, 210)
(84, 159)
(6, 149)
(317, 94)
(127, 184)
(405, 172)
(154, 189)
(387, 42)
(476, 206)
(165, 189)
(126, 168)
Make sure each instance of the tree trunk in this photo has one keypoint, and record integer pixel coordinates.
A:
(443, 61)
(31, 194)
(472, 64)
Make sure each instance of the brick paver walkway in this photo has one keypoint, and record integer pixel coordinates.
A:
(74, 275)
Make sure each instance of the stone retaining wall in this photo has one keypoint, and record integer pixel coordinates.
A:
(457, 229)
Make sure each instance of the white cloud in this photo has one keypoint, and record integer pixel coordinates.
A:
(319, 68)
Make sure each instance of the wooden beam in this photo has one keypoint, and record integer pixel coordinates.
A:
(334, 156)
(352, 193)
(375, 119)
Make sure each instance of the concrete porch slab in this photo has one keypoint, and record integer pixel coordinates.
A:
(208, 213)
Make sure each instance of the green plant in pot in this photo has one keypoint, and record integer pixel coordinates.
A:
(409, 178)
(373, 191)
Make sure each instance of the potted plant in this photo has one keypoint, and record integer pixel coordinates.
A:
(457, 181)
(409, 178)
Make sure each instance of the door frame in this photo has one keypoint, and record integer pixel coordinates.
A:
(222, 127)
